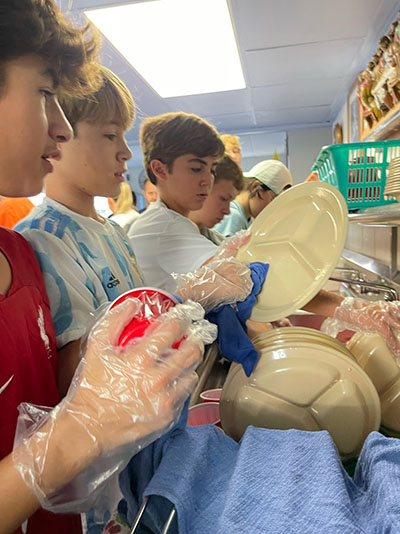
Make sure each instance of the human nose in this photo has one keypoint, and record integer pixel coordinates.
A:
(125, 153)
(226, 209)
(208, 178)
(58, 126)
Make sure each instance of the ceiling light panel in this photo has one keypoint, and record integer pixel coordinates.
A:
(180, 47)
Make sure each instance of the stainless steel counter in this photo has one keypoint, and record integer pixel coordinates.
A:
(380, 216)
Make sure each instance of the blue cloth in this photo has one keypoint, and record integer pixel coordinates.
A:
(233, 340)
(276, 481)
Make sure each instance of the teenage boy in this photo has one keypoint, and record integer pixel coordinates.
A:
(41, 56)
(180, 152)
(86, 260)
(266, 180)
(228, 182)
(47, 52)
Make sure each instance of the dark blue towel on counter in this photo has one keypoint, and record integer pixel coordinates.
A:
(276, 481)
(233, 340)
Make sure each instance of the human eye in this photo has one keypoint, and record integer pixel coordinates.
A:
(196, 169)
(47, 93)
(110, 137)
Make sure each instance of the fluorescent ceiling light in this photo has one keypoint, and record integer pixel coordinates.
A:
(180, 47)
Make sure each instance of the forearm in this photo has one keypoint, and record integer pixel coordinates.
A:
(324, 303)
(17, 502)
(53, 456)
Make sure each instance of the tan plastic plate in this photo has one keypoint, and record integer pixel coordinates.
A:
(301, 234)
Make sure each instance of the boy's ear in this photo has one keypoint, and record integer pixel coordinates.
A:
(160, 169)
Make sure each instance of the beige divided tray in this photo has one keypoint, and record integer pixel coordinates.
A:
(301, 235)
(304, 380)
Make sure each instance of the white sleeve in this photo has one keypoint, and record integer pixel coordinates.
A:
(183, 249)
(74, 295)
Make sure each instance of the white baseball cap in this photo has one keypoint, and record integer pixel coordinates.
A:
(272, 173)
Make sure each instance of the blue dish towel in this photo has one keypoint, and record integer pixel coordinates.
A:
(233, 340)
(276, 481)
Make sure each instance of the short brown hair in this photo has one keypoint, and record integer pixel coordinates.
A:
(227, 169)
(38, 27)
(168, 136)
(231, 141)
(113, 101)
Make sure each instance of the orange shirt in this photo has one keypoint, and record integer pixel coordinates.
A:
(12, 210)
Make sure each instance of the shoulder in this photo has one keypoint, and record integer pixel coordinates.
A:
(155, 220)
(47, 219)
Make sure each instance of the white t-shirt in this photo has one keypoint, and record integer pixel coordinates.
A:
(166, 242)
(125, 220)
(84, 263)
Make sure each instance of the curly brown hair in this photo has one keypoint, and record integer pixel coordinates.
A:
(38, 27)
(171, 135)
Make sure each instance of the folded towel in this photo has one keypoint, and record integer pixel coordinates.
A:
(233, 340)
(276, 481)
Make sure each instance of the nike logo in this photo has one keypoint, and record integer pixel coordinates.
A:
(3, 387)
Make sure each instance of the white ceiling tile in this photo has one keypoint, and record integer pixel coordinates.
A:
(311, 61)
(292, 116)
(226, 102)
(268, 23)
(237, 121)
(302, 93)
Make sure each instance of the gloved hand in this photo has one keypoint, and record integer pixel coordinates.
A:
(119, 401)
(231, 245)
(361, 315)
(222, 280)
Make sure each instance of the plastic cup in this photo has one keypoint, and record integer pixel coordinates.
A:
(206, 413)
(155, 303)
(211, 395)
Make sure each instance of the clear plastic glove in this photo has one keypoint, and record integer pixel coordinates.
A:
(361, 315)
(120, 400)
(231, 245)
(223, 280)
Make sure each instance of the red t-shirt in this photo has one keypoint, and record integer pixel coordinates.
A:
(28, 358)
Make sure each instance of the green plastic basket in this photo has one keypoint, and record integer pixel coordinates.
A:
(358, 170)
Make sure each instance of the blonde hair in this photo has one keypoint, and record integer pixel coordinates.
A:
(171, 135)
(124, 202)
(113, 101)
(231, 141)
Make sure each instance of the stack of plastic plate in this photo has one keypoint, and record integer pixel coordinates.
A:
(392, 187)
(304, 380)
(301, 234)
